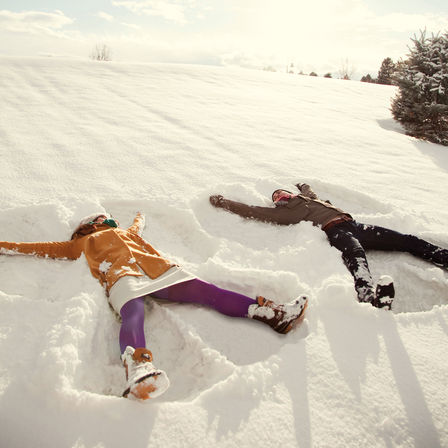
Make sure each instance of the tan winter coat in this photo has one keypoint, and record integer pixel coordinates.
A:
(111, 253)
(305, 207)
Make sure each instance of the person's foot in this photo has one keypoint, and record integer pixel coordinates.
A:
(144, 381)
(385, 292)
(282, 318)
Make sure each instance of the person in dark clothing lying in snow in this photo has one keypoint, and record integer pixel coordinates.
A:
(344, 233)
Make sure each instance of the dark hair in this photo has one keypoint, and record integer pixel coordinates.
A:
(84, 227)
(280, 189)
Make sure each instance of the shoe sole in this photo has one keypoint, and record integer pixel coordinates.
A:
(144, 390)
(297, 320)
(384, 295)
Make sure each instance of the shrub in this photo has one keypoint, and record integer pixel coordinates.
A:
(101, 53)
(421, 105)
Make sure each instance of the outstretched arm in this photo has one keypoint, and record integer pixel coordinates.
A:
(307, 191)
(138, 224)
(64, 249)
(266, 214)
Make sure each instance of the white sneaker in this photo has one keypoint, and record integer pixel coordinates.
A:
(144, 381)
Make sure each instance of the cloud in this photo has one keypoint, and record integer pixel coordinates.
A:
(105, 16)
(173, 11)
(131, 25)
(288, 23)
(111, 19)
(411, 23)
(34, 22)
(317, 35)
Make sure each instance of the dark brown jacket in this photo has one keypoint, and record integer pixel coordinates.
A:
(305, 207)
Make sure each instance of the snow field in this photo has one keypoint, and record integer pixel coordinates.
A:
(79, 137)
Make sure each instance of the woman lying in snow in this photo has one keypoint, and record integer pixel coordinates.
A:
(344, 233)
(130, 268)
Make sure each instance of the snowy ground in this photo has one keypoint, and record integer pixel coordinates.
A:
(79, 136)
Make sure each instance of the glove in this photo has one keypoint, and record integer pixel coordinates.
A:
(217, 200)
(299, 186)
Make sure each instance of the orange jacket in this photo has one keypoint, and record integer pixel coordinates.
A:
(111, 253)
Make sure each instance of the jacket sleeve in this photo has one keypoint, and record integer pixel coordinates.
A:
(60, 250)
(265, 214)
(307, 191)
(138, 224)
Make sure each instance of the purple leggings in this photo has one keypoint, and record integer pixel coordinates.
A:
(192, 291)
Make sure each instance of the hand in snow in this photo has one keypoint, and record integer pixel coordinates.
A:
(217, 200)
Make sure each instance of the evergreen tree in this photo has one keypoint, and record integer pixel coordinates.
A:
(367, 78)
(386, 72)
(421, 104)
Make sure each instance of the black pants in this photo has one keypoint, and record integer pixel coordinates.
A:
(353, 239)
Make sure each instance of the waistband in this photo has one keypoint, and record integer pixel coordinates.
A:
(333, 222)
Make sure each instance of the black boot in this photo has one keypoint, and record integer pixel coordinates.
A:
(385, 293)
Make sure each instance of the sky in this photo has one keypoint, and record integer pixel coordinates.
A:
(321, 36)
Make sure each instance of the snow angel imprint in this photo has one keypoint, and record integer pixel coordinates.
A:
(129, 269)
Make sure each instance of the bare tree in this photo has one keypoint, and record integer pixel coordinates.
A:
(346, 71)
(101, 53)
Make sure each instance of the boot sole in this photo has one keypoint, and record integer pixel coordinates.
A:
(142, 389)
(296, 321)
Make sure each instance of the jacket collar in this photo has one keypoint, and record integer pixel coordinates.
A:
(295, 201)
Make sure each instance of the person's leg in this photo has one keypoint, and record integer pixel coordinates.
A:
(143, 380)
(342, 238)
(132, 325)
(280, 317)
(380, 238)
(197, 291)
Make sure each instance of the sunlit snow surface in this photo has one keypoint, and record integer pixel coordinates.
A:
(77, 137)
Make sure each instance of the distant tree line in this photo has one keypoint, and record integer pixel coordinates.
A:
(385, 74)
(421, 102)
(345, 72)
